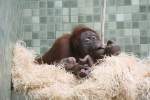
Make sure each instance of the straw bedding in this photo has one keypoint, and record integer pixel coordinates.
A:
(123, 77)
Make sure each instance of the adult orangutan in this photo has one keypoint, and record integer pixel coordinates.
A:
(78, 50)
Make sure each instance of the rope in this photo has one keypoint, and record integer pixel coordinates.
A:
(103, 13)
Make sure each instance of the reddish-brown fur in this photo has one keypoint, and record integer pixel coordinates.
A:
(70, 49)
(66, 46)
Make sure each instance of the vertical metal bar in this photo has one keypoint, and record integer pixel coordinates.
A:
(103, 14)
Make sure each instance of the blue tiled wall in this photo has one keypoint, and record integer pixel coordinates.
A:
(127, 22)
(46, 20)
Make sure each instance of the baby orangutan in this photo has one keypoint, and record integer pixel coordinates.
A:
(83, 67)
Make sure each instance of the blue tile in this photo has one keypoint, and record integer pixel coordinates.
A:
(148, 8)
(58, 19)
(27, 28)
(35, 19)
(111, 2)
(136, 17)
(69, 3)
(58, 4)
(96, 10)
(143, 40)
(44, 42)
(67, 27)
(50, 12)
(27, 20)
(43, 34)
(43, 20)
(112, 17)
(35, 42)
(74, 19)
(96, 18)
(43, 27)
(143, 2)
(27, 12)
(66, 19)
(143, 8)
(43, 4)
(144, 33)
(51, 27)
(143, 25)
(43, 12)
(135, 24)
(43, 50)
(50, 35)
(27, 35)
(59, 27)
(74, 11)
(89, 18)
(135, 2)
(81, 19)
(35, 35)
(65, 11)
(127, 2)
(35, 27)
(143, 17)
(120, 17)
(120, 25)
(96, 3)
(50, 4)
(58, 12)
(136, 48)
(27, 4)
(35, 12)
(120, 3)
(128, 25)
(128, 48)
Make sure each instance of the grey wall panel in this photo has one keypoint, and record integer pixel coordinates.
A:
(10, 28)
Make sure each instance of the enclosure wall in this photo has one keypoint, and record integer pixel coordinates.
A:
(128, 23)
(10, 31)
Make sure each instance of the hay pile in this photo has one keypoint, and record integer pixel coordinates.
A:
(124, 77)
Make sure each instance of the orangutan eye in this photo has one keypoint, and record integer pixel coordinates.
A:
(87, 39)
(93, 38)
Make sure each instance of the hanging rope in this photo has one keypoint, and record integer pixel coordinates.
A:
(103, 13)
